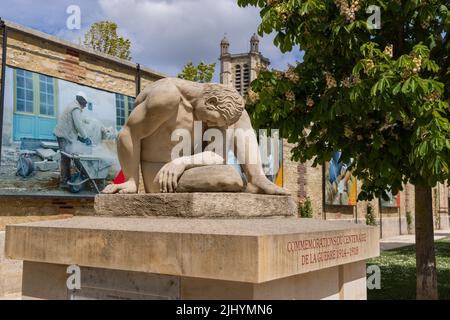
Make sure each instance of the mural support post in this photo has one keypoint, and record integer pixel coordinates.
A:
(324, 202)
(3, 79)
(138, 79)
(381, 219)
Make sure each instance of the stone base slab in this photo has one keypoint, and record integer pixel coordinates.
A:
(48, 281)
(195, 205)
(239, 250)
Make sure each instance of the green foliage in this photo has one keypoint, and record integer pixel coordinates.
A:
(103, 37)
(398, 273)
(370, 216)
(202, 73)
(305, 209)
(379, 96)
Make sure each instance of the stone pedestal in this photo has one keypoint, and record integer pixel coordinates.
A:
(194, 258)
(195, 205)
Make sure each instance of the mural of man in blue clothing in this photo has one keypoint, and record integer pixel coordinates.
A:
(337, 180)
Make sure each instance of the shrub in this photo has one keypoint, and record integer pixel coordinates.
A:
(370, 216)
(305, 209)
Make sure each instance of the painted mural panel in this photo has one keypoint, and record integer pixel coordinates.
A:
(36, 105)
(392, 202)
(340, 184)
(271, 150)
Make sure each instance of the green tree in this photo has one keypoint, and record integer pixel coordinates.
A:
(378, 95)
(202, 73)
(103, 37)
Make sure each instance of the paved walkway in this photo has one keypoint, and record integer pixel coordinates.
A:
(10, 273)
(407, 240)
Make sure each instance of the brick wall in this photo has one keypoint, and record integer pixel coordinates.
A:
(37, 55)
(26, 209)
(290, 172)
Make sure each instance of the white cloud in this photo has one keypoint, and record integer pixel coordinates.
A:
(168, 33)
(165, 33)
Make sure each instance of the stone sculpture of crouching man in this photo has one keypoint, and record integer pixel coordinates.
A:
(170, 104)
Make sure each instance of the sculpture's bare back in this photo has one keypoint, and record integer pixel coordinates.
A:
(171, 104)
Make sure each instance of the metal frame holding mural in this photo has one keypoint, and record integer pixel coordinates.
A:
(340, 186)
(4, 29)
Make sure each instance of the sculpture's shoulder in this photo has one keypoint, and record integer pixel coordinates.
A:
(169, 84)
(160, 89)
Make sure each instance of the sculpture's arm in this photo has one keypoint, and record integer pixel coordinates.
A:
(168, 176)
(145, 119)
(206, 158)
(247, 152)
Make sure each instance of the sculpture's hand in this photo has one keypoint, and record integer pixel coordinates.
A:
(168, 176)
(123, 188)
(261, 184)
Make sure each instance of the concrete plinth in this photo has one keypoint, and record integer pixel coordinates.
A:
(175, 258)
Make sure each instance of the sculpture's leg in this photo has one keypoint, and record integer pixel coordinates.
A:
(129, 151)
(156, 106)
(149, 172)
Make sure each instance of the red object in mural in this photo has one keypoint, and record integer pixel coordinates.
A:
(120, 178)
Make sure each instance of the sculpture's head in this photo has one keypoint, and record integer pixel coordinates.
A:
(223, 106)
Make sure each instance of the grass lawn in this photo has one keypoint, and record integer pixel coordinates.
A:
(398, 272)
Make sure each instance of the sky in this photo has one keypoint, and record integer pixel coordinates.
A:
(165, 34)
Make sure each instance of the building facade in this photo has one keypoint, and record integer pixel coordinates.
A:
(42, 70)
(308, 183)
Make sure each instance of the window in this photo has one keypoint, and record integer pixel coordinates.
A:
(237, 78)
(130, 101)
(24, 91)
(120, 110)
(47, 96)
(35, 105)
(246, 78)
(124, 107)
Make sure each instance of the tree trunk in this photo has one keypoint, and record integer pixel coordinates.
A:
(425, 252)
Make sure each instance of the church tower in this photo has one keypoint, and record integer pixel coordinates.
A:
(254, 44)
(239, 70)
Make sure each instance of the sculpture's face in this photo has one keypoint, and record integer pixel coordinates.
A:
(211, 117)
